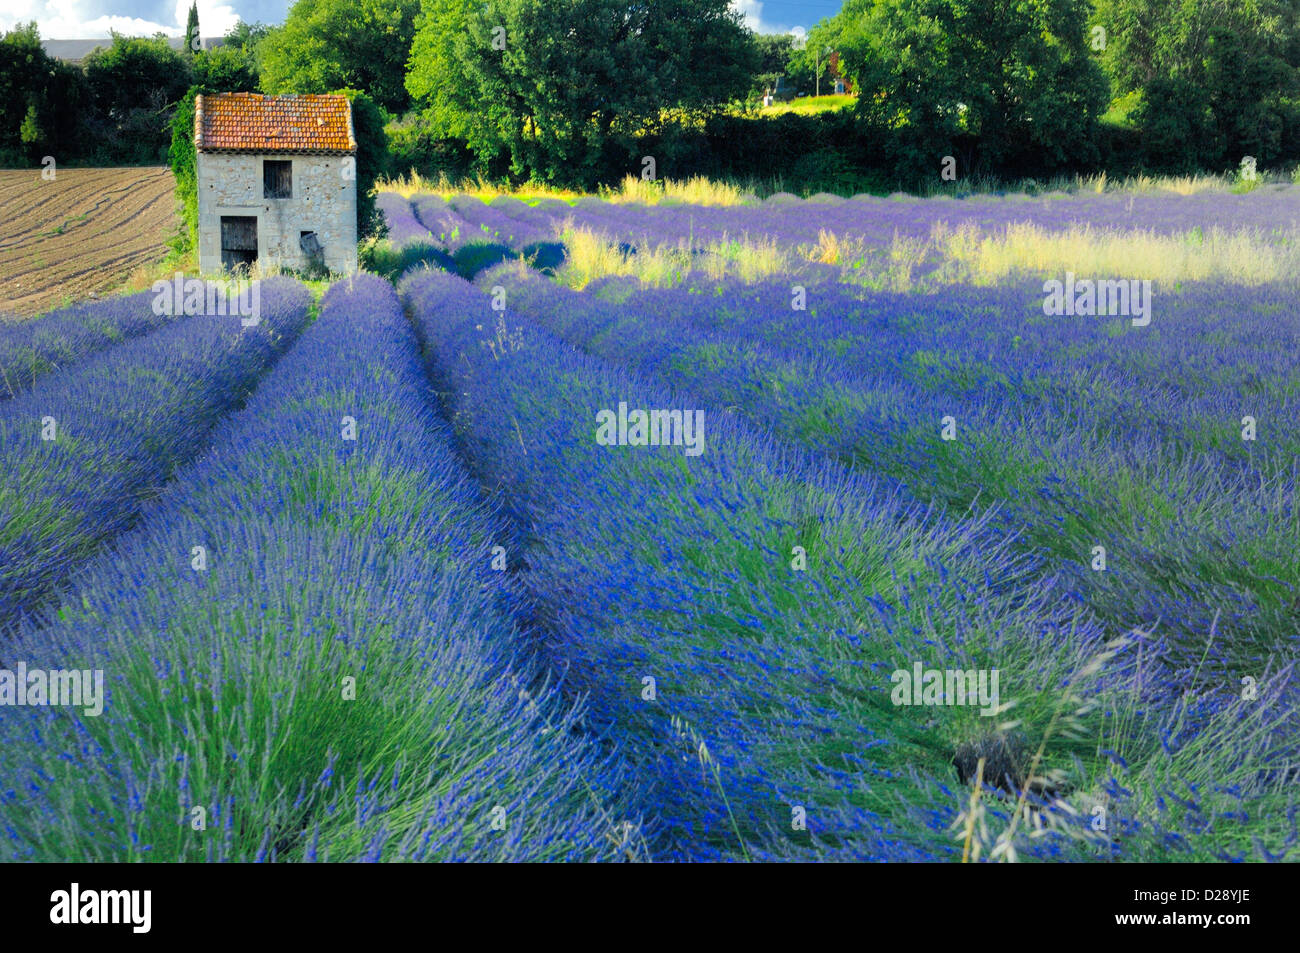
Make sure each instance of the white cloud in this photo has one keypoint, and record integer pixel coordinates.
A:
(215, 19)
(752, 11)
(73, 20)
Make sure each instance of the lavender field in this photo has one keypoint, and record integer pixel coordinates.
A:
(874, 529)
(913, 462)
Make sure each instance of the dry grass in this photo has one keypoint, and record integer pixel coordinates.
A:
(1240, 256)
(591, 255)
(694, 191)
(713, 192)
(1101, 184)
(963, 255)
(1178, 185)
(416, 184)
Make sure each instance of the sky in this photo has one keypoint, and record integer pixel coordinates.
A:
(87, 19)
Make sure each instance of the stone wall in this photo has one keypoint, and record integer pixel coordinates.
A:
(324, 201)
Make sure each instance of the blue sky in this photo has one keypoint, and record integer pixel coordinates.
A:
(780, 16)
(77, 19)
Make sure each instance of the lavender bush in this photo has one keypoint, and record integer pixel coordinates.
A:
(771, 685)
(1133, 456)
(29, 349)
(84, 449)
(326, 560)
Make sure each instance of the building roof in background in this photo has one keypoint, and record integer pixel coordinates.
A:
(74, 51)
(252, 122)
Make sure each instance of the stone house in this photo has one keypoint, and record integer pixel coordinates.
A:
(276, 181)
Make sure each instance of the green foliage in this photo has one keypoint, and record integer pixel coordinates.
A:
(234, 66)
(41, 100)
(1216, 79)
(415, 147)
(333, 44)
(23, 63)
(192, 30)
(802, 154)
(134, 85)
(999, 85)
(434, 73)
(372, 159)
(773, 52)
(182, 159)
(564, 88)
(135, 72)
(813, 62)
(227, 69)
(29, 133)
(246, 36)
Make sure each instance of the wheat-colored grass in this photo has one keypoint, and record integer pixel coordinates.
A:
(1236, 256)
(693, 191)
(415, 184)
(700, 190)
(591, 255)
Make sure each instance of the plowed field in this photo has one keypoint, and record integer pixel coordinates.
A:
(82, 234)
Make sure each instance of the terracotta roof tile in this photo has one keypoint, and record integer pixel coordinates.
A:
(251, 122)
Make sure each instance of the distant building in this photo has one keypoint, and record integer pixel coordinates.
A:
(74, 51)
(276, 181)
(782, 91)
(842, 85)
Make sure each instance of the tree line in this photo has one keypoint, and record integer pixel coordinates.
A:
(115, 107)
(579, 92)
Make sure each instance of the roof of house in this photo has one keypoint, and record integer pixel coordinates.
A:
(252, 122)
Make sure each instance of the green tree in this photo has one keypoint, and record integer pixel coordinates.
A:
(1215, 79)
(332, 44)
(809, 66)
(1002, 85)
(246, 36)
(42, 100)
(226, 69)
(372, 159)
(773, 51)
(30, 134)
(135, 72)
(192, 30)
(564, 88)
(134, 85)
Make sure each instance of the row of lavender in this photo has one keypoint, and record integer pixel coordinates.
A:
(306, 651)
(452, 222)
(30, 349)
(82, 451)
(1173, 449)
(739, 618)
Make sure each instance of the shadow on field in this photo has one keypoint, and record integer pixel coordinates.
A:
(392, 263)
(469, 260)
(546, 257)
(476, 257)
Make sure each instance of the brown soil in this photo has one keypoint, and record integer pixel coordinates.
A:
(81, 235)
